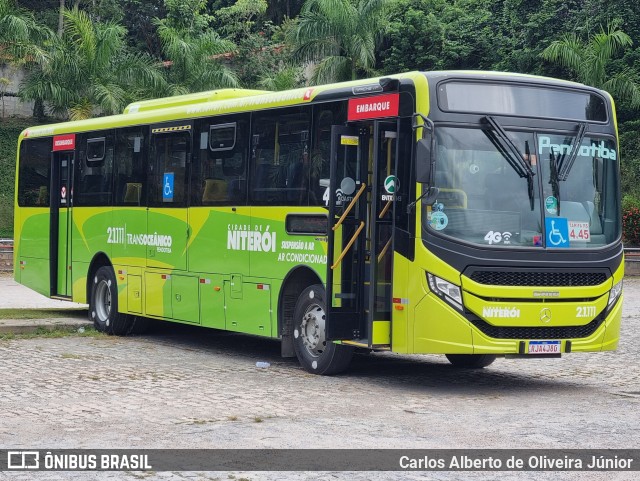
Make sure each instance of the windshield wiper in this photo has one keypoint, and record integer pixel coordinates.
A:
(510, 152)
(565, 166)
(554, 162)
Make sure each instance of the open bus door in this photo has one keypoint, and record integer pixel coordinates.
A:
(60, 220)
(361, 203)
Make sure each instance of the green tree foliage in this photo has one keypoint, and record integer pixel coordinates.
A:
(589, 61)
(526, 27)
(89, 70)
(21, 37)
(193, 51)
(9, 131)
(340, 36)
(438, 35)
(261, 58)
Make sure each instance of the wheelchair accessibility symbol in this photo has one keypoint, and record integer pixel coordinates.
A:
(557, 231)
(167, 187)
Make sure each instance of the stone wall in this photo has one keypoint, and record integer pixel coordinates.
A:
(13, 106)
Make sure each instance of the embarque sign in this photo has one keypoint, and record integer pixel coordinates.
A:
(374, 107)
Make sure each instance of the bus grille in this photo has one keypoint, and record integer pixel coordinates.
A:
(542, 278)
(542, 332)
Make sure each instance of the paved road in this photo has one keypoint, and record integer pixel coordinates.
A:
(191, 388)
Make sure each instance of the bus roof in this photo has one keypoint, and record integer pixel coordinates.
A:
(190, 99)
(217, 102)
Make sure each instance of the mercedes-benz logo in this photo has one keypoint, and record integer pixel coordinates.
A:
(545, 315)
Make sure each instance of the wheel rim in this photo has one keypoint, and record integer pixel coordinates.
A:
(103, 301)
(312, 330)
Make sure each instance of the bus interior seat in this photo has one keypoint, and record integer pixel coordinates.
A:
(595, 225)
(43, 196)
(584, 212)
(215, 190)
(132, 193)
(573, 211)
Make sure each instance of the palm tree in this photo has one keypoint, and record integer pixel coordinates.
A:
(340, 35)
(193, 51)
(21, 36)
(22, 40)
(589, 61)
(89, 70)
(286, 78)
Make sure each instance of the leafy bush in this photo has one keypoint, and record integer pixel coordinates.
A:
(9, 131)
(631, 220)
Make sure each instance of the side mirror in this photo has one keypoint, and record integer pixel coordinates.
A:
(424, 162)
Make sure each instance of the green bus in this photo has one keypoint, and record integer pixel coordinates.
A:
(471, 214)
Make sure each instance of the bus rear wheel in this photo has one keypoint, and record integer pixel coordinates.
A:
(103, 304)
(472, 361)
(315, 353)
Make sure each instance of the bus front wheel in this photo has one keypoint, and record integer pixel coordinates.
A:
(103, 304)
(472, 361)
(315, 353)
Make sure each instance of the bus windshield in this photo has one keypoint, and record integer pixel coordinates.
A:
(486, 199)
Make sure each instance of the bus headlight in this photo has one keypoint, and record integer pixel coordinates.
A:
(445, 290)
(614, 293)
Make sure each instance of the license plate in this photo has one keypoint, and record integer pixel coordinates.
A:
(544, 347)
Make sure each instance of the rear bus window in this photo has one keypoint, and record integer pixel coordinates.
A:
(34, 172)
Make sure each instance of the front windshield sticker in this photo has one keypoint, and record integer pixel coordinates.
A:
(557, 231)
(551, 204)
(439, 220)
(497, 237)
(579, 231)
(344, 193)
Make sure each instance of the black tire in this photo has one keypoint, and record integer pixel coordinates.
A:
(103, 304)
(139, 325)
(471, 361)
(315, 354)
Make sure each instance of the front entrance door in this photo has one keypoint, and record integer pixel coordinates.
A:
(361, 200)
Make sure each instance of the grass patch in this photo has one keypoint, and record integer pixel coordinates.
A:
(42, 313)
(257, 420)
(58, 332)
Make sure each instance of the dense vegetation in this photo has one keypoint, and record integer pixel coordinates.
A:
(88, 57)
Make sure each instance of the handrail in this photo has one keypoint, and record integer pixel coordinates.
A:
(384, 250)
(348, 209)
(346, 249)
(386, 208)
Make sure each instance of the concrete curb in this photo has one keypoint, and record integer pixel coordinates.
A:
(28, 326)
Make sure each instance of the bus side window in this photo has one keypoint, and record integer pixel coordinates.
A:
(35, 171)
(324, 116)
(280, 157)
(167, 181)
(130, 167)
(219, 169)
(94, 170)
